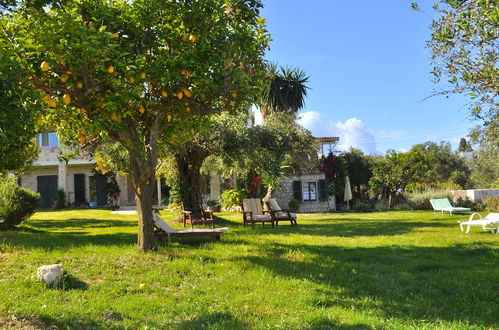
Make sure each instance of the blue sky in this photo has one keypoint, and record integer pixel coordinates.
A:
(369, 71)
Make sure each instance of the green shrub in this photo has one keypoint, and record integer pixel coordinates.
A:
(16, 204)
(401, 207)
(421, 200)
(476, 206)
(492, 203)
(421, 187)
(212, 203)
(60, 202)
(231, 197)
(362, 207)
(294, 204)
(381, 205)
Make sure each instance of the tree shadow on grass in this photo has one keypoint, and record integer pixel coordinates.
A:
(80, 223)
(213, 320)
(69, 323)
(324, 323)
(350, 229)
(457, 283)
(51, 240)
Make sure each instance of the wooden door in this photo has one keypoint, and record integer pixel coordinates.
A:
(79, 181)
(47, 188)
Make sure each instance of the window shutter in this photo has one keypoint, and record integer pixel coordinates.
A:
(297, 194)
(322, 190)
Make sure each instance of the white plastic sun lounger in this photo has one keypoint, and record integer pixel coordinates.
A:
(163, 229)
(486, 223)
(444, 205)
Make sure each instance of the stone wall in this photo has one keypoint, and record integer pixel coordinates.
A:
(65, 180)
(48, 164)
(285, 194)
(48, 156)
(28, 180)
(474, 195)
(70, 187)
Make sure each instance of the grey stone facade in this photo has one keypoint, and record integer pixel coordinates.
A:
(48, 164)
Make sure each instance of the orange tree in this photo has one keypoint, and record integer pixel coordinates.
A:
(140, 72)
(18, 109)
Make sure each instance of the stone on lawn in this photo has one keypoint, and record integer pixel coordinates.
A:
(51, 275)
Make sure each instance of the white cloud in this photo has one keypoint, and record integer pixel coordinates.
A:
(312, 121)
(352, 132)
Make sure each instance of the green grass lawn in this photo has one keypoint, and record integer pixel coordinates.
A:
(350, 271)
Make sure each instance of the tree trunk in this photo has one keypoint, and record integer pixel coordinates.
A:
(144, 181)
(189, 168)
(143, 152)
(265, 111)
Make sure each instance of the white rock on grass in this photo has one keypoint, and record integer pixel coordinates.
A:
(51, 275)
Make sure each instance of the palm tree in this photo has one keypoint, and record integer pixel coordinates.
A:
(286, 91)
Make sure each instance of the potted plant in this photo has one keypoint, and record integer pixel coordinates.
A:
(213, 205)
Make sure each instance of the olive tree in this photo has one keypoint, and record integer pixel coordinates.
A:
(465, 50)
(140, 73)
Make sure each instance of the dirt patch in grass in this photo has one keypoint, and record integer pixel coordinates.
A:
(15, 323)
(93, 281)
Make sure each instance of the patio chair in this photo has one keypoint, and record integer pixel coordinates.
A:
(253, 213)
(444, 205)
(193, 213)
(162, 229)
(278, 213)
(486, 223)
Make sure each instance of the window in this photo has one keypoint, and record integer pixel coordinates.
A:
(310, 191)
(47, 139)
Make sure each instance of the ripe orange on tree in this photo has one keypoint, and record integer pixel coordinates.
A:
(44, 66)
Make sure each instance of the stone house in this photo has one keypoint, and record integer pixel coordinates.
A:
(309, 187)
(84, 187)
(81, 185)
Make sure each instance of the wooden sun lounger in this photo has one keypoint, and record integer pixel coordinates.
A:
(164, 230)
